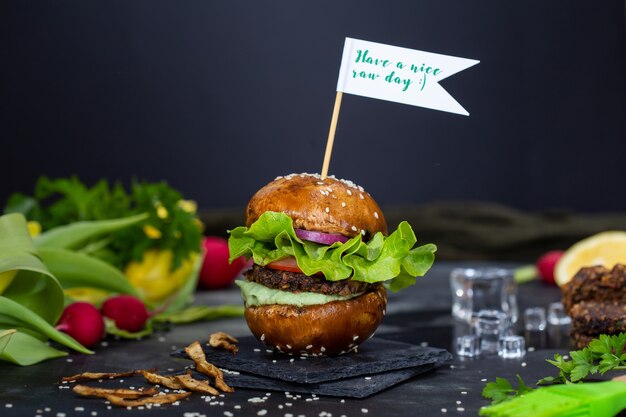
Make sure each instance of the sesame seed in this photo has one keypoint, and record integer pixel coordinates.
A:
(327, 210)
(343, 204)
(79, 408)
(458, 402)
(364, 410)
(288, 346)
(261, 412)
(354, 229)
(322, 349)
(443, 410)
(291, 360)
(273, 360)
(361, 195)
(349, 192)
(263, 337)
(8, 405)
(228, 414)
(368, 377)
(483, 380)
(309, 347)
(463, 392)
(363, 232)
(376, 214)
(257, 349)
(355, 337)
(320, 183)
(460, 409)
(523, 363)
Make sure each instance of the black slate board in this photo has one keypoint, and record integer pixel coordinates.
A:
(376, 356)
(355, 387)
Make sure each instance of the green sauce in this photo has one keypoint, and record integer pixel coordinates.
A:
(257, 295)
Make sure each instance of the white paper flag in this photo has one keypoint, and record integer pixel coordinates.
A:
(397, 74)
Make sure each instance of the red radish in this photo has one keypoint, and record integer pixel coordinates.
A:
(83, 322)
(319, 237)
(216, 272)
(129, 313)
(546, 264)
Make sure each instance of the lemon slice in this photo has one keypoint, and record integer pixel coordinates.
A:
(606, 248)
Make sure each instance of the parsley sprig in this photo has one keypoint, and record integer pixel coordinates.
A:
(606, 353)
(502, 390)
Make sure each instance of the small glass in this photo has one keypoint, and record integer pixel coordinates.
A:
(559, 325)
(557, 316)
(468, 345)
(489, 325)
(535, 318)
(475, 289)
(511, 347)
(535, 327)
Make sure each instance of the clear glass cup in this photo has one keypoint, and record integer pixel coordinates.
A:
(559, 325)
(535, 319)
(475, 289)
(535, 324)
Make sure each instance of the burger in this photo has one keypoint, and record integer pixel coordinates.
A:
(322, 260)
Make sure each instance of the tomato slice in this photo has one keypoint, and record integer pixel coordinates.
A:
(286, 264)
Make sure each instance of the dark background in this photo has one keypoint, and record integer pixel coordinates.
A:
(219, 97)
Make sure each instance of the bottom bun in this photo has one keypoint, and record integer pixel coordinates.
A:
(324, 329)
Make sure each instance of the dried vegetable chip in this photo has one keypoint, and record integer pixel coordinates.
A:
(88, 391)
(196, 353)
(157, 399)
(90, 376)
(165, 381)
(196, 385)
(223, 340)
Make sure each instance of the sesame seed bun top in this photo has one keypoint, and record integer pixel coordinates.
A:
(327, 205)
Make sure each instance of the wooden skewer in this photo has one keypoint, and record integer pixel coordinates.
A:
(331, 134)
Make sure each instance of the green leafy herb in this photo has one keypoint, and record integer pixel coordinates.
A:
(60, 202)
(502, 390)
(392, 258)
(606, 353)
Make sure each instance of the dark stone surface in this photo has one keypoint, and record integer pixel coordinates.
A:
(420, 314)
(374, 357)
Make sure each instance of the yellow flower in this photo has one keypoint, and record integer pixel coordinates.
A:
(189, 206)
(153, 276)
(34, 228)
(151, 231)
(161, 211)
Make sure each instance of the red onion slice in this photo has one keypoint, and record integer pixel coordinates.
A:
(319, 237)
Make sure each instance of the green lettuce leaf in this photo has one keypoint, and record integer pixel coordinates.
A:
(393, 258)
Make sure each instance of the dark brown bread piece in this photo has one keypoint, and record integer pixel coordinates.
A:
(596, 283)
(595, 318)
(327, 205)
(326, 329)
(297, 282)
